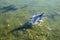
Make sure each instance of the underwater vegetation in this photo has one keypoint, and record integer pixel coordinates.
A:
(8, 8)
(24, 27)
(14, 24)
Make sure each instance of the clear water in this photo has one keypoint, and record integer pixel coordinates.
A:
(10, 18)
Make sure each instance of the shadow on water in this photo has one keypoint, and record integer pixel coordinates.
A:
(8, 8)
(24, 27)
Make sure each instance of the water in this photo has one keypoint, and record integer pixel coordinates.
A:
(22, 11)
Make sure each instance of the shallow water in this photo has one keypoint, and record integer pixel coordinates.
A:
(22, 11)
